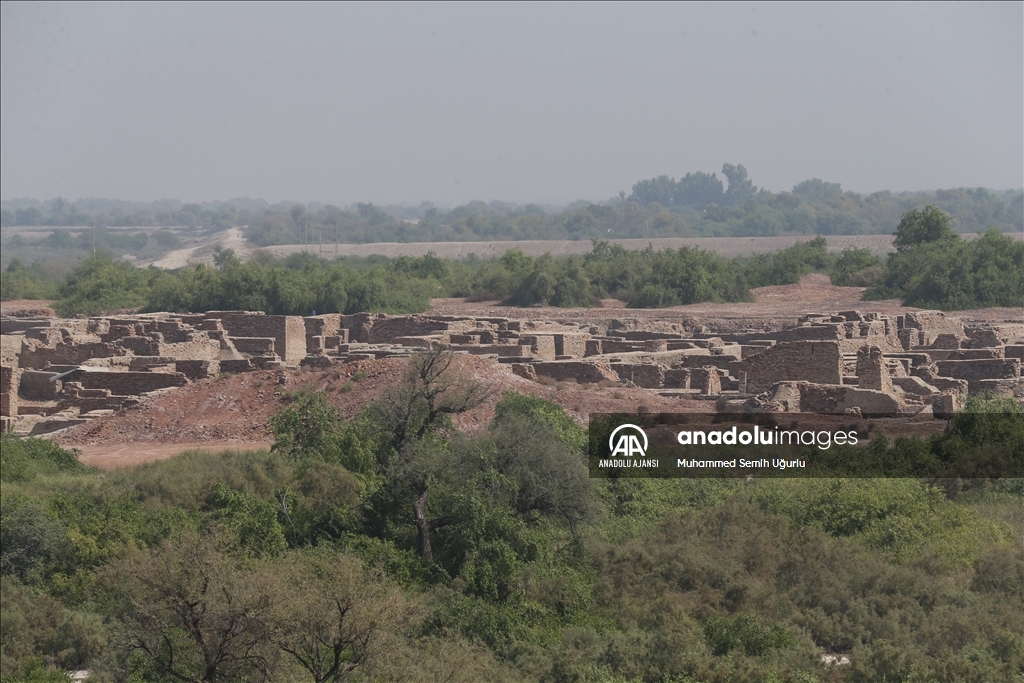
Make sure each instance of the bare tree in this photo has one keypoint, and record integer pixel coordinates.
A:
(418, 408)
(333, 615)
(193, 613)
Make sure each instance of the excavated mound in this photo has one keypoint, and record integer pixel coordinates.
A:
(234, 412)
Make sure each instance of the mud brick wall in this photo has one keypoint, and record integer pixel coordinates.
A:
(150, 363)
(14, 325)
(1004, 387)
(288, 331)
(385, 329)
(580, 371)
(830, 399)
(323, 326)
(193, 346)
(236, 366)
(570, 345)
(706, 379)
(700, 361)
(541, 345)
(48, 335)
(827, 332)
(10, 376)
(931, 324)
(132, 383)
(8, 403)
(646, 375)
(976, 370)
(1014, 351)
(67, 354)
(10, 347)
(981, 338)
(677, 378)
(915, 385)
(256, 345)
(141, 346)
(810, 361)
(38, 385)
(620, 345)
(871, 370)
(502, 350)
(197, 369)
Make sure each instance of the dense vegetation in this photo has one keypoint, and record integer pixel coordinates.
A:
(303, 283)
(390, 547)
(933, 267)
(696, 205)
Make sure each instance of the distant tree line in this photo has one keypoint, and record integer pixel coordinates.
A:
(697, 205)
(932, 267)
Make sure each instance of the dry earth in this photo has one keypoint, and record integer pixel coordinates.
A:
(727, 246)
(28, 308)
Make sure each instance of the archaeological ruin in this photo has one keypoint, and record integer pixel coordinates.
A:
(60, 372)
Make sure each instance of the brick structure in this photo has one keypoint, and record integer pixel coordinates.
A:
(581, 371)
(645, 375)
(706, 380)
(871, 370)
(288, 331)
(38, 385)
(131, 383)
(976, 370)
(197, 369)
(811, 361)
(574, 345)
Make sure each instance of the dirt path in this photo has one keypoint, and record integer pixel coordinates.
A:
(229, 239)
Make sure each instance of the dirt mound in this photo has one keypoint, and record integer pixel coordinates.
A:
(234, 412)
(28, 308)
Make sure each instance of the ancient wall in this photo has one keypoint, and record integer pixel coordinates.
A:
(581, 371)
(811, 361)
(383, 330)
(706, 379)
(646, 375)
(67, 354)
(38, 385)
(541, 345)
(976, 370)
(574, 345)
(871, 370)
(831, 399)
(930, 324)
(197, 369)
(131, 383)
(254, 345)
(288, 331)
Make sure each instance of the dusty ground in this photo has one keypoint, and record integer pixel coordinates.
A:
(28, 308)
(779, 303)
(234, 412)
(727, 246)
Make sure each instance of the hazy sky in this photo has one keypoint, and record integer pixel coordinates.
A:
(519, 102)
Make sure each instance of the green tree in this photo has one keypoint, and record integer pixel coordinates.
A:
(923, 226)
